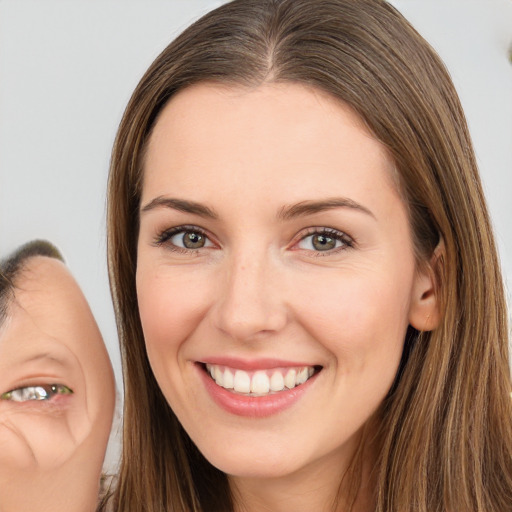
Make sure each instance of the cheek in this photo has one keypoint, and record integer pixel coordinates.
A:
(15, 451)
(36, 440)
(360, 318)
(362, 324)
(171, 305)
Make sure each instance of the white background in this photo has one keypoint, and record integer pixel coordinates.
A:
(68, 67)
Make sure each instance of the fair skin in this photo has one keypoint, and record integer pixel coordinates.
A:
(52, 450)
(289, 248)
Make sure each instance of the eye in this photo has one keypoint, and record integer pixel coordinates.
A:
(184, 237)
(324, 240)
(32, 393)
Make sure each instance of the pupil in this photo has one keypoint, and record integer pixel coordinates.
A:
(193, 240)
(323, 243)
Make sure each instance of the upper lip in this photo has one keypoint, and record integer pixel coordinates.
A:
(254, 364)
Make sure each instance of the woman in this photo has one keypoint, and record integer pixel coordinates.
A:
(309, 299)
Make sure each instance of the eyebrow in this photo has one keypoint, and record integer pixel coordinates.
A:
(181, 205)
(6, 292)
(289, 212)
(13, 264)
(311, 207)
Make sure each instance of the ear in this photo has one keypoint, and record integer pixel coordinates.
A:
(424, 311)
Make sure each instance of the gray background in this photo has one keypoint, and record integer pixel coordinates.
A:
(68, 67)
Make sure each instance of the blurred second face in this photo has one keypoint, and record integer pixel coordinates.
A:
(57, 394)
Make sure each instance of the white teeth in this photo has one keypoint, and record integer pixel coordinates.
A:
(302, 376)
(277, 381)
(229, 381)
(261, 382)
(242, 382)
(219, 377)
(289, 379)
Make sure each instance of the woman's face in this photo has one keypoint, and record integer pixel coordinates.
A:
(274, 253)
(56, 394)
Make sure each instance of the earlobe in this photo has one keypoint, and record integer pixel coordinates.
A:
(424, 311)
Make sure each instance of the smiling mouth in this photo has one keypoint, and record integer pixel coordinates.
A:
(261, 382)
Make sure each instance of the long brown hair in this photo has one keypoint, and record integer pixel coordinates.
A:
(446, 429)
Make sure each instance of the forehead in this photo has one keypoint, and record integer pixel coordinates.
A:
(273, 139)
(45, 282)
(246, 112)
(47, 308)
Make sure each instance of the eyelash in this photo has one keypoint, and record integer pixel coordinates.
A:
(36, 393)
(347, 241)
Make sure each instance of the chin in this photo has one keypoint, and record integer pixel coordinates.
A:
(252, 469)
(251, 461)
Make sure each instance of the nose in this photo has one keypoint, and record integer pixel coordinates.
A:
(251, 304)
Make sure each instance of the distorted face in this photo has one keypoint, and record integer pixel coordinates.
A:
(57, 394)
(276, 276)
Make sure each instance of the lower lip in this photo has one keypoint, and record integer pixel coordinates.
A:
(253, 406)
